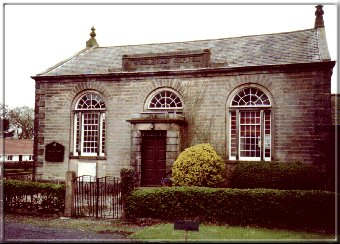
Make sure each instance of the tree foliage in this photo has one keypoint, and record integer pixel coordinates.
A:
(21, 119)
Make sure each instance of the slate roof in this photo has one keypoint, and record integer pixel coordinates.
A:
(16, 146)
(269, 49)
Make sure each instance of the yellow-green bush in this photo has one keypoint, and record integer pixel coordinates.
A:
(198, 165)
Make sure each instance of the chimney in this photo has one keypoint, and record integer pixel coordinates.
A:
(92, 41)
(319, 17)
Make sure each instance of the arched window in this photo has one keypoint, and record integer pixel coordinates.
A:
(250, 96)
(164, 99)
(89, 125)
(250, 125)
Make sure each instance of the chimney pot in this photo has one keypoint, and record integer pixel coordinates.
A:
(319, 17)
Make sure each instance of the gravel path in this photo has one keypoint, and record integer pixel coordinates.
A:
(24, 232)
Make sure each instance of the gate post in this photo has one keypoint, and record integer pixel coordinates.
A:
(69, 193)
(97, 196)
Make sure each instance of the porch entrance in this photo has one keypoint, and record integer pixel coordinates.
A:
(153, 157)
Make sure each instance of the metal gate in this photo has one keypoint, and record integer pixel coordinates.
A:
(97, 197)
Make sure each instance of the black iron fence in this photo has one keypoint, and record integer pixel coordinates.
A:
(18, 170)
(25, 176)
(25, 165)
(97, 197)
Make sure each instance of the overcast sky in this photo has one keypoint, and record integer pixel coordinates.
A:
(39, 36)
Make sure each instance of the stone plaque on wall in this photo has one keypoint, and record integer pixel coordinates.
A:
(54, 152)
(170, 60)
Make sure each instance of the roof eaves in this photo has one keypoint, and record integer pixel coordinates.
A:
(65, 61)
(319, 64)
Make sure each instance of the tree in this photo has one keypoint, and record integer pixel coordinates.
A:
(5, 129)
(20, 118)
(3, 111)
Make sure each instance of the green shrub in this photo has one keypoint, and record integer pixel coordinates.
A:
(277, 176)
(33, 196)
(198, 165)
(127, 177)
(264, 207)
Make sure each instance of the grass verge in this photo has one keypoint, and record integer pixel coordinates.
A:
(166, 232)
(83, 224)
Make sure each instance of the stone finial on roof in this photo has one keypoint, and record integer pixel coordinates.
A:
(319, 17)
(92, 41)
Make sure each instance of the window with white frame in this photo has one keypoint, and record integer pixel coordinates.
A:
(250, 125)
(165, 99)
(89, 125)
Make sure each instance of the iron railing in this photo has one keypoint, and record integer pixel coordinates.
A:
(97, 197)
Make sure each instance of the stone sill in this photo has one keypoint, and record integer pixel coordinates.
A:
(88, 157)
(157, 117)
(154, 120)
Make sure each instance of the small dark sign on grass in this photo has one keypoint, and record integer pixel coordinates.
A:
(187, 225)
(191, 225)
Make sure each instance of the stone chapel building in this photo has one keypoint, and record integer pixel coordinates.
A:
(254, 98)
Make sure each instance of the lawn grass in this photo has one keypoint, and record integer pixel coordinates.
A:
(166, 232)
(156, 230)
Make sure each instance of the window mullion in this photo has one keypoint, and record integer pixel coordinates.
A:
(100, 146)
(99, 134)
(238, 134)
(262, 134)
(81, 132)
(75, 133)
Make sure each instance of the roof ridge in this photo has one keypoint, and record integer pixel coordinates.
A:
(214, 39)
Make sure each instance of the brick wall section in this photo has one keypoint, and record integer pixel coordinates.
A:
(301, 108)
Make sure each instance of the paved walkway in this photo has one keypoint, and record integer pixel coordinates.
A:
(24, 232)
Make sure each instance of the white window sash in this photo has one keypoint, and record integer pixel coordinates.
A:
(102, 118)
(82, 138)
(75, 135)
(270, 137)
(262, 130)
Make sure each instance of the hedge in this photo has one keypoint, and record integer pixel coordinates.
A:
(287, 176)
(33, 197)
(263, 207)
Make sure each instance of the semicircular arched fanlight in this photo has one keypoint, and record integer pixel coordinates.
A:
(90, 100)
(250, 96)
(165, 99)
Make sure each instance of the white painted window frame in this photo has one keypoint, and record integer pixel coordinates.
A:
(156, 92)
(239, 136)
(81, 112)
(237, 109)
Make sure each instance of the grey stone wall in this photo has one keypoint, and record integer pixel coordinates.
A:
(301, 108)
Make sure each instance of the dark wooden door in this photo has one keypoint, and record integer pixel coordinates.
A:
(153, 157)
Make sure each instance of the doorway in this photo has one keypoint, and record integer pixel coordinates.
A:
(153, 167)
